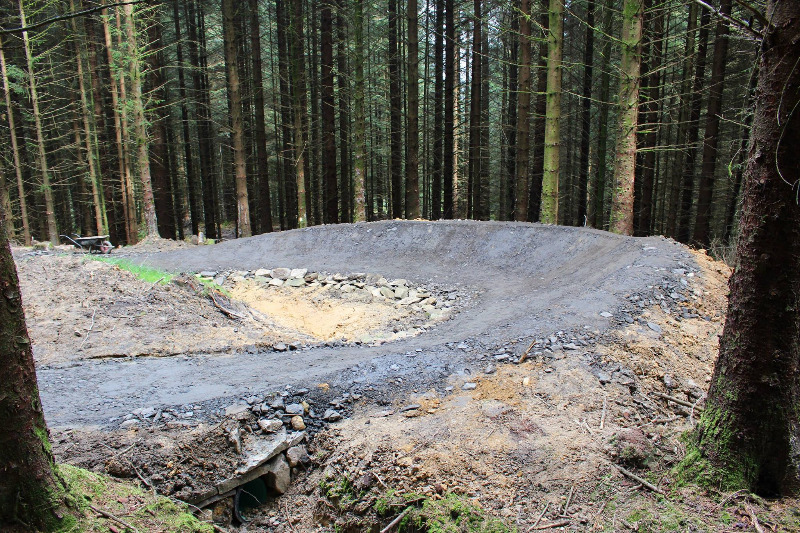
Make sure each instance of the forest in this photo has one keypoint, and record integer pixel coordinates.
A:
(234, 118)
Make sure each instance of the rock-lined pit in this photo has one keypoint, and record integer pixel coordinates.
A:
(349, 308)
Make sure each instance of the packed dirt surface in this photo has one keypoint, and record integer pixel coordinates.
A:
(573, 352)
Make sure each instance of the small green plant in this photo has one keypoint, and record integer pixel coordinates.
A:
(143, 272)
(452, 514)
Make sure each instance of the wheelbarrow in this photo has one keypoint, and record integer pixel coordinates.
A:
(97, 244)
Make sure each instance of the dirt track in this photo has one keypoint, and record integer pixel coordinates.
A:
(531, 280)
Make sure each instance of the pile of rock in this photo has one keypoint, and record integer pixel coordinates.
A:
(398, 292)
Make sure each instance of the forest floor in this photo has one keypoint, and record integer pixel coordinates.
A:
(429, 412)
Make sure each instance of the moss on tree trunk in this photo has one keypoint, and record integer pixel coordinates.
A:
(31, 494)
(749, 434)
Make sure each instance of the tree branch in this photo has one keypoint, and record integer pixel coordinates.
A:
(736, 22)
(67, 16)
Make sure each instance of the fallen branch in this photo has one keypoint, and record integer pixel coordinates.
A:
(569, 499)
(754, 518)
(526, 352)
(396, 521)
(678, 401)
(560, 523)
(603, 416)
(229, 312)
(112, 517)
(91, 327)
(638, 479)
(541, 515)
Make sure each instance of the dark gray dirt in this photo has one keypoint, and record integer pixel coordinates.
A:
(529, 281)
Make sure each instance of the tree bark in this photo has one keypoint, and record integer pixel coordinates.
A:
(552, 133)
(412, 116)
(342, 81)
(359, 112)
(140, 126)
(702, 225)
(747, 435)
(31, 492)
(300, 111)
(262, 158)
(448, 168)
(52, 231)
(586, 116)
(330, 187)
(625, 158)
(395, 108)
(23, 204)
(597, 215)
(473, 163)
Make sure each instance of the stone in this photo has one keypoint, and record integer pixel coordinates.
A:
(603, 377)
(297, 456)
(632, 447)
(297, 423)
(277, 403)
(669, 383)
(606, 314)
(145, 412)
(410, 407)
(398, 283)
(276, 282)
(490, 369)
(372, 279)
(263, 272)
(298, 273)
(220, 280)
(655, 327)
(238, 411)
(279, 475)
(331, 415)
(295, 282)
(270, 426)
(570, 346)
(469, 386)
(133, 422)
(295, 409)
(401, 292)
(235, 439)
(281, 273)
(347, 288)
(388, 293)
(280, 347)
(208, 273)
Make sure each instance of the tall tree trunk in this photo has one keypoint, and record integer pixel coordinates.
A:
(191, 176)
(297, 58)
(395, 108)
(586, 116)
(342, 77)
(484, 180)
(140, 126)
(448, 172)
(552, 134)
(31, 492)
(103, 136)
(693, 133)
(204, 126)
(52, 231)
(12, 130)
(262, 159)
(284, 86)
(438, 113)
(702, 230)
(330, 187)
(360, 171)
(650, 137)
(120, 114)
(597, 213)
(412, 121)
(94, 178)
(747, 436)
(509, 187)
(473, 163)
(625, 152)
(536, 170)
(159, 151)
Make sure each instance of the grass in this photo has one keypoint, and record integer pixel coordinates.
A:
(143, 511)
(142, 272)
